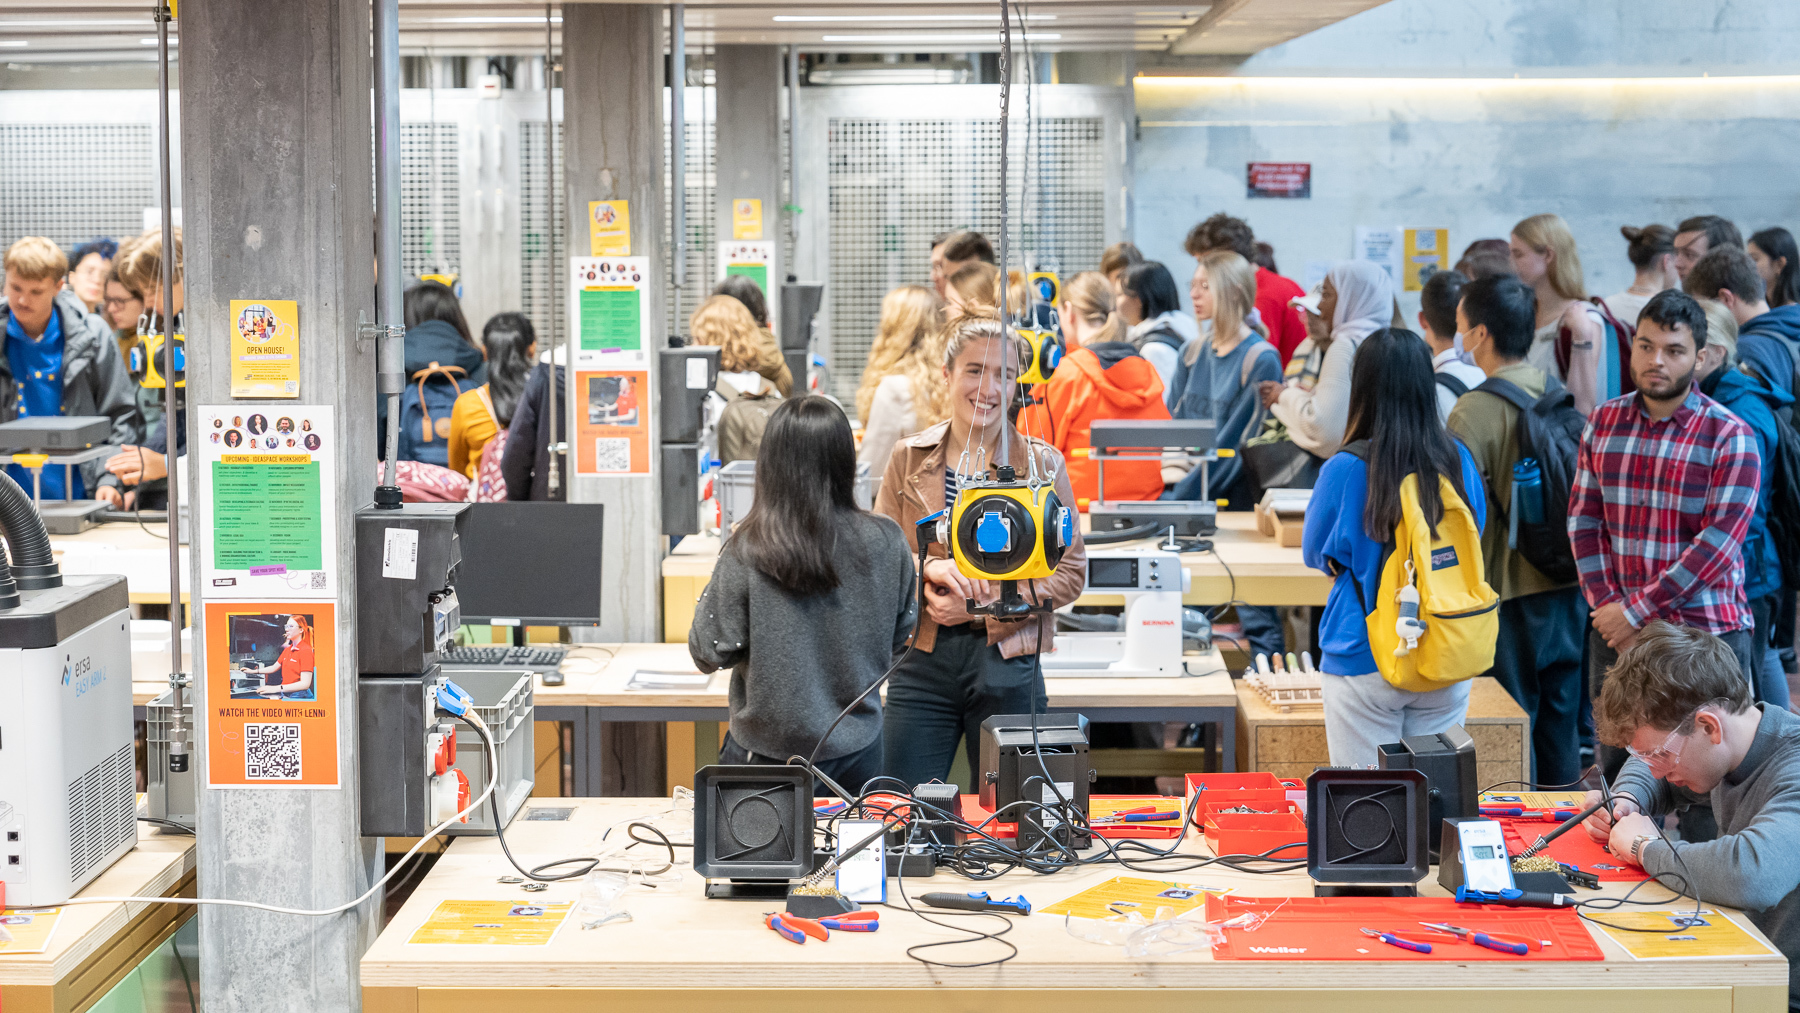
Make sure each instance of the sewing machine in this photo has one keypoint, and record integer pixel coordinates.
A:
(1149, 643)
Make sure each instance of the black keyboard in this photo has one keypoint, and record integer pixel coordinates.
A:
(505, 656)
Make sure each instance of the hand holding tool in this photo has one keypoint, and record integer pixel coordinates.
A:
(1393, 940)
(855, 921)
(978, 901)
(1605, 802)
(1514, 945)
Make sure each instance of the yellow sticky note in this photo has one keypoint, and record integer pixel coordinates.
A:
(491, 923)
(746, 218)
(1124, 894)
(609, 228)
(1666, 935)
(265, 348)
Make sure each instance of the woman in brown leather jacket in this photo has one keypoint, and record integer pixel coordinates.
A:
(966, 669)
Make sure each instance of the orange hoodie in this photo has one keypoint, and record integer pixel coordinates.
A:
(1107, 381)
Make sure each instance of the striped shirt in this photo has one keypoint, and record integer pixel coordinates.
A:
(1659, 511)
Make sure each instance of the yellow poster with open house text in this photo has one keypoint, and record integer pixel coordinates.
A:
(609, 228)
(265, 348)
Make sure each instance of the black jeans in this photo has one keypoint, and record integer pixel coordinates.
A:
(941, 697)
(1696, 822)
(850, 772)
(1537, 658)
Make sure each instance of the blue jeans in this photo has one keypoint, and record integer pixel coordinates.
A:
(1537, 659)
(1363, 712)
(850, 772)
(1770, 685)
(941, 697)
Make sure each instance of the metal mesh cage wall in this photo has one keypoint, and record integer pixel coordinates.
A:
(702, 249)
(895, 183)
(430, 199)
(72, 182)
(541, 293)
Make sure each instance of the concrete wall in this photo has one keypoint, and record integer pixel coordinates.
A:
(1411, 115)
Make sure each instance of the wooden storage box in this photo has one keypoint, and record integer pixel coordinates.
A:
(1293, 744)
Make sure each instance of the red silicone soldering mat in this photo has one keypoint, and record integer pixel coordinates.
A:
(1327, 928)
(1573, 848)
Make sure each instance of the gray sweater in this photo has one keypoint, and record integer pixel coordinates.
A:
(1755, 863)
(796, 662)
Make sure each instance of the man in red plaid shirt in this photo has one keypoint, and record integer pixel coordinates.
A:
(1664, 491)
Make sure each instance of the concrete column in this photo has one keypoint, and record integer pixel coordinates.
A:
(749, 144)
(613, 149)
(276, 123)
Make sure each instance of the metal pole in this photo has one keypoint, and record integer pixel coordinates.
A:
(389, 281)
(553, 272)
(793, 139)
(678, 144)
(178, 745)
(1005, 451)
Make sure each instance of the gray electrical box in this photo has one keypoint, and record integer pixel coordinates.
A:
(681, 488)
(406, 608)
(686, 375)
(800, 302)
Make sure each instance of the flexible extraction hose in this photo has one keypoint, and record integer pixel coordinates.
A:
(33, 566)
(9, 588)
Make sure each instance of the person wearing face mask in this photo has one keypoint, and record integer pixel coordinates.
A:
(1453, 368)
(1537, 657)
(1358, 298)
(965, 669)
(1678, 703)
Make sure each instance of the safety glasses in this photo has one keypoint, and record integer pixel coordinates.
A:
(1663, 758)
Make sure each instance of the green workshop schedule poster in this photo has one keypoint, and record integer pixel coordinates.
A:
(610, 319)
(266, 511)
(758, 273)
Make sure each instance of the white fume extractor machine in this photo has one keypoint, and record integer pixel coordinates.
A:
(68, 782)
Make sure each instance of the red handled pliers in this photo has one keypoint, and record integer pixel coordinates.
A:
(794, 928)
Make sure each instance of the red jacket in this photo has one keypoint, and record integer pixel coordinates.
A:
(1286, 329)
(1104, 381)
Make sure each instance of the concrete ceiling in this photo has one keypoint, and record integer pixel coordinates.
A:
(113, 30)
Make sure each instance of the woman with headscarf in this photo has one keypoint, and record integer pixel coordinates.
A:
(1358, 299)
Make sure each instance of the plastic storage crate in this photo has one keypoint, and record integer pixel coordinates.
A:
(169, 796)
(735, 488)
(503, 698)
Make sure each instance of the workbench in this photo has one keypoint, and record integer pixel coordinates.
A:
(95, 946)
(594, 695)
(1244, 565)
(125, 548)
(681, 951)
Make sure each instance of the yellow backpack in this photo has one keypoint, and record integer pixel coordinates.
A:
(1434, 618)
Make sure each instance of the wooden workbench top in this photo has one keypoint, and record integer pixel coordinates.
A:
(596, 674)
(679, 939)
(92, 941)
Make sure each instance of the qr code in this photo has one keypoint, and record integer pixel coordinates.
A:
(318, 580)
(293, 386)
(272, 752)
(612, 455)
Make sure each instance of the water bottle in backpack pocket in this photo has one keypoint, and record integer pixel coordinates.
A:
(1527, 505)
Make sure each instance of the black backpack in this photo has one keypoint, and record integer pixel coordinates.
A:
(1549, 429)
(1451, 384)
(1784, 501)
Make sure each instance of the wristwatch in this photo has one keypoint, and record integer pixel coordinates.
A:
(1637, 848)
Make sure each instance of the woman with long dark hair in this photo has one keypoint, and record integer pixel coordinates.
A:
(442, 362)
(481, 415)
(810, 602)
(1778, 262)
(1393, 432)
(1150, 305)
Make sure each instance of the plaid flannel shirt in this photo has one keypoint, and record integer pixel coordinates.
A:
(1659, 510)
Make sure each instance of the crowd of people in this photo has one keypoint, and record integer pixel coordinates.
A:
(1592, 499)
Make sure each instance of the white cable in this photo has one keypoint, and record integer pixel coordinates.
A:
(493, 765)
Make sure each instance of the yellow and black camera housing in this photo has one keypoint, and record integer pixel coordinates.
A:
(1046, 354)
(1009, 530)
(147, 360)
(1046, 286)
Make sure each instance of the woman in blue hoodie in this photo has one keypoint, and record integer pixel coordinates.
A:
(1756, 402)
(442, 361)
(1349, 523)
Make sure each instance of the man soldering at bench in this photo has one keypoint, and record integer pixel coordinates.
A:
(1677, 701)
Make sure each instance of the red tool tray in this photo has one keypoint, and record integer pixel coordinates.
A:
(1253, 787)
(1573, 848)
(1328, 928)
(1257, 833)
(1098, 807)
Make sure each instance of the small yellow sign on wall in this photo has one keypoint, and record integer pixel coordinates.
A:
(1427, 252)
(746, 218)
(609, 228)
(265, 348)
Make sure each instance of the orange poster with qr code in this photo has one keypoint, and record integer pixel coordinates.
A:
(612, 422)
(270, 691)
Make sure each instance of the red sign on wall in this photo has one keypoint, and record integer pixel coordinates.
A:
(1279, 179)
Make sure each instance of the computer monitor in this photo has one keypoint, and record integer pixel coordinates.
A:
(531, 563)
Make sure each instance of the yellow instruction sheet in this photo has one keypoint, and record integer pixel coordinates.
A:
(491, 923)
(1680, 934)
(1125, 894)
(30, 931)
(1536, 799)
